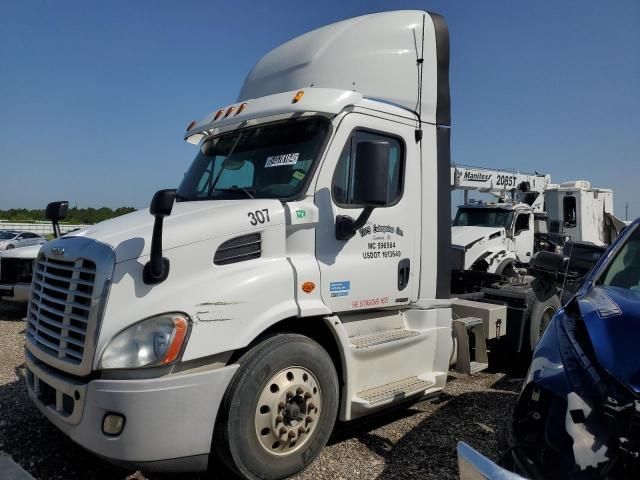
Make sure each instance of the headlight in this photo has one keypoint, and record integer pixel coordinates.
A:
(151, 342)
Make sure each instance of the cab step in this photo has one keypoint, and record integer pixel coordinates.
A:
(476, 367)
(470, 360)
(378, 338)
(393, 392)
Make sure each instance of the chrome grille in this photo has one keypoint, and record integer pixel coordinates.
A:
(60, 307)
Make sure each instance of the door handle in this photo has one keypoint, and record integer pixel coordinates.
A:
(404, 268)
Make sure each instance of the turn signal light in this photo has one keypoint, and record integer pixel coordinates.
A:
(181, 326)
(241, 108)
(308, 287)
(298, 97)
(218, 113)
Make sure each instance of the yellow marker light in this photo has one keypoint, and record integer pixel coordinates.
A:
(190, 126)
(308, 287)
(218, 113)
(241, 108)
(175, 345)
(229, 112)
(298, 97)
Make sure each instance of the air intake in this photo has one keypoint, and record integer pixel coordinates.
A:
(239, 249)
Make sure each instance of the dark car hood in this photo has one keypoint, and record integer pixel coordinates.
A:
(612, 318)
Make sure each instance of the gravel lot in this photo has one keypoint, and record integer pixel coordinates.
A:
(418, 441)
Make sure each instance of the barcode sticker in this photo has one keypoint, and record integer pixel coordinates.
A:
(279, 160)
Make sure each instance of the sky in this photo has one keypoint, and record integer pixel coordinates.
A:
(95, 96)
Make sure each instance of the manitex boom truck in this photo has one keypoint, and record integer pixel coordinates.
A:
(299, 274)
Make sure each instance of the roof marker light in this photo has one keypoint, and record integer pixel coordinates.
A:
(229, 112)
(191, 125)
(241, 108)
(218, 113)
(298, 96)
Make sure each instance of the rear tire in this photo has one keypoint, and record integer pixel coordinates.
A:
(540, 315)
(279, 409)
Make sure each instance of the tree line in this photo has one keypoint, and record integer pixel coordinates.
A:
(74, 215)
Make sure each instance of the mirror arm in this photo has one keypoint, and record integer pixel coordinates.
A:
(346, 227)
(156, 270)
(56, 229)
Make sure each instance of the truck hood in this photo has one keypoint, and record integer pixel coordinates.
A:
(612, 318)
(189, 222)
(466, 236)
(22, 252)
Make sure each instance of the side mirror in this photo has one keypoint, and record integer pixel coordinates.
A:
(156, 269)
(370, 185)
(371, 174)
(55, 212)
(162, 203)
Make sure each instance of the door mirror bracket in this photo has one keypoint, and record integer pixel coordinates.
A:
(346, 227)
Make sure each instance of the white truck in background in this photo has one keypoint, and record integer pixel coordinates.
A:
(16, 265)
(493, 243)
(299, 274)
(530, 214)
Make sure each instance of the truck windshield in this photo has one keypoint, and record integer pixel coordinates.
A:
(483, 217)
(267, 161)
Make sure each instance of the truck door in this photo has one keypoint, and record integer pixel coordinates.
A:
(523, 236)
(379, 265)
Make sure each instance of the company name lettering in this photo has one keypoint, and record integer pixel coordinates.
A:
(476, 176)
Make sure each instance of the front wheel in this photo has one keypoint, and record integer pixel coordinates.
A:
(279, 410)
(10, 247)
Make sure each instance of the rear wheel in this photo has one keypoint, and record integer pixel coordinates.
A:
(541, 313)
(279, 410)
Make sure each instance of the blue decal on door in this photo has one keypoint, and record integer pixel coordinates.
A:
(339, 289)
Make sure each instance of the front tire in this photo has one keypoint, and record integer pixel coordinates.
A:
(279, 409)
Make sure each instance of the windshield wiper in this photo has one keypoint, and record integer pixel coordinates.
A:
(250, 192)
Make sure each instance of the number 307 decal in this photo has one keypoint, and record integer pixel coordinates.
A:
(259, 216)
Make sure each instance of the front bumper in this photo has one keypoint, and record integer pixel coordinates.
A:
(17, 292)
(169, 420)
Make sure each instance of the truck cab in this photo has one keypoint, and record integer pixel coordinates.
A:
(492, 237)
(299, 273)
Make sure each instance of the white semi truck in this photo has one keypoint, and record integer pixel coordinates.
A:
(299, 275)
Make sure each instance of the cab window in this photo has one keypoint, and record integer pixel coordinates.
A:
(342, 187)
(522, 223)
(569, 211)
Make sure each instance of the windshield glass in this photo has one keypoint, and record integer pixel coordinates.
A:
(267, 161)
(7, 235)
(483, 217)
(624, 269)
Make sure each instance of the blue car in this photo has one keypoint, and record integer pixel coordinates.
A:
(578, 415)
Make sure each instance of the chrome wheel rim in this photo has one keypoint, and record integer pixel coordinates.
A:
(287, 411)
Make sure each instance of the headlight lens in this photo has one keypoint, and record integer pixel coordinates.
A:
(151, 342)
